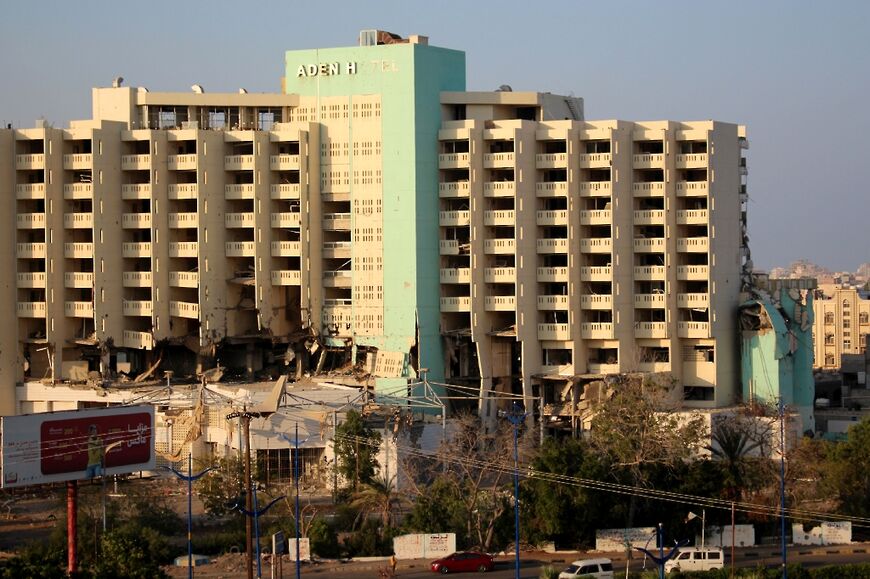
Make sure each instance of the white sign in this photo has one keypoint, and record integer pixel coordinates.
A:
(422, 546)
(830, 533)
(611, 540)
(304, 549)
(325, 69)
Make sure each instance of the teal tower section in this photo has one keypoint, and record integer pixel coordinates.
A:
(409, 78)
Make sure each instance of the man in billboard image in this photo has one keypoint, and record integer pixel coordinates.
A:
(95, 453)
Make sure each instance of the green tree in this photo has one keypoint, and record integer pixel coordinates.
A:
(378, 497)
(323, 538)
(439, 509)
(356, 448)
(127, 554)
(741, 450)
(221, 487)
(849, 470)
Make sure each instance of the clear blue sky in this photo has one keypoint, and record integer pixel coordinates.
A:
(797, 73)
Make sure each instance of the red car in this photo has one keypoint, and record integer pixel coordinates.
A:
(463, 561)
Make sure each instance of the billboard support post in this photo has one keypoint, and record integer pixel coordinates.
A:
(71, 525)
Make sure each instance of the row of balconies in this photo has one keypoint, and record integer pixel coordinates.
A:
(461, 189)
(600, 301)
(507, 246)
(560, 217)
(137, 191)
(560, 161)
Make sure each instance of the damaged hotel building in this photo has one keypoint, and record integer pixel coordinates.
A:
(372, 220)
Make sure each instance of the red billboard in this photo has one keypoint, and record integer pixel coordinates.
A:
(76, 444)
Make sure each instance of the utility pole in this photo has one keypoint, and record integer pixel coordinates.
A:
(516, 417)
(782, 485)
(245, 419)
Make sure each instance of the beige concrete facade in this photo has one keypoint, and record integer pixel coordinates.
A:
(220, 224)
(841, 325)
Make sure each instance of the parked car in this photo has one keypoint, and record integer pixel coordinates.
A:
(463, 561)
(597, 568)
(696, 559)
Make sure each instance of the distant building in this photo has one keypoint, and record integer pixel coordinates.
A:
(842, 322)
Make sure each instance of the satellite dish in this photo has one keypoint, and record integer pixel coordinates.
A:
(117, 81)
(505, 88)
(243, 91)
(197, 89)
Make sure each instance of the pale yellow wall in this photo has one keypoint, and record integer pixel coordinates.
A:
(837, 327)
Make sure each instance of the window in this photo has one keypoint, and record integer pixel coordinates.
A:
(713, 555)
(829, 317)
(864, 318)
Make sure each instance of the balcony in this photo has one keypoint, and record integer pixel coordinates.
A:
(239, 220)
(30, 309)
(649, 217)
(239, 248)
(595, 217)
(29, 162)
(692, 161)
(456, 304)
(500, 275)
(651, 189)
(692, 189)
(551, 189)
(453, 161)
(455, 275)
(693, 244)
(30, 220)
(137, 279)
(649, 161)
(138, 340)
(32, 191)
(453, 190)
(78, 161)
(454, 218)
(654, 330)
(554, 302)
(549, 246)
(448, 247)
(693, 272)
(500, 303)
(286, 191)
(552, 274)
(74, 191)
(595, 160)
(184, 249)
(136, 221)
(30, 250)
(653, 367)
(649, 245)
(135, 162)
(693, 300)
(78, 250)
(133, 250)
(500, 218)
(338, 278)
(596, 189)
(188, 310)
(137, 308)
(650, 301)
(239, 163)
(34, 280)
(499, 160)
(184, 220)
(596, 331)
(692, 217)
(558, 332)
(132, 192)
(596, 273)
(78, 220)
(596, 302)
(78, 309)
(188, 279)
(183, 191)
(693, 329)
(499, 189)
(552, 217)
(243, 191)
(285, 249)
(181, 162)
(500, 246)
(649, 273)
(596, 245)
(551, 160)
(335, 249)
(284, 162)
(336, 221)
(282, 277)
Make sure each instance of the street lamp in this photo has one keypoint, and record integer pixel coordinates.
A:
(189, 477)
(692, 515)
(516, 417)
(296, 442)
(255, 515)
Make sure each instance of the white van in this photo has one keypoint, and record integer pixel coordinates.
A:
(597, 568)
(696, 559)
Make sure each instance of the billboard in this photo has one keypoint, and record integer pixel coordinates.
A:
(76, 444)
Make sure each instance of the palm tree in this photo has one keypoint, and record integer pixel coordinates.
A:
(378, 497)
(735, 441)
